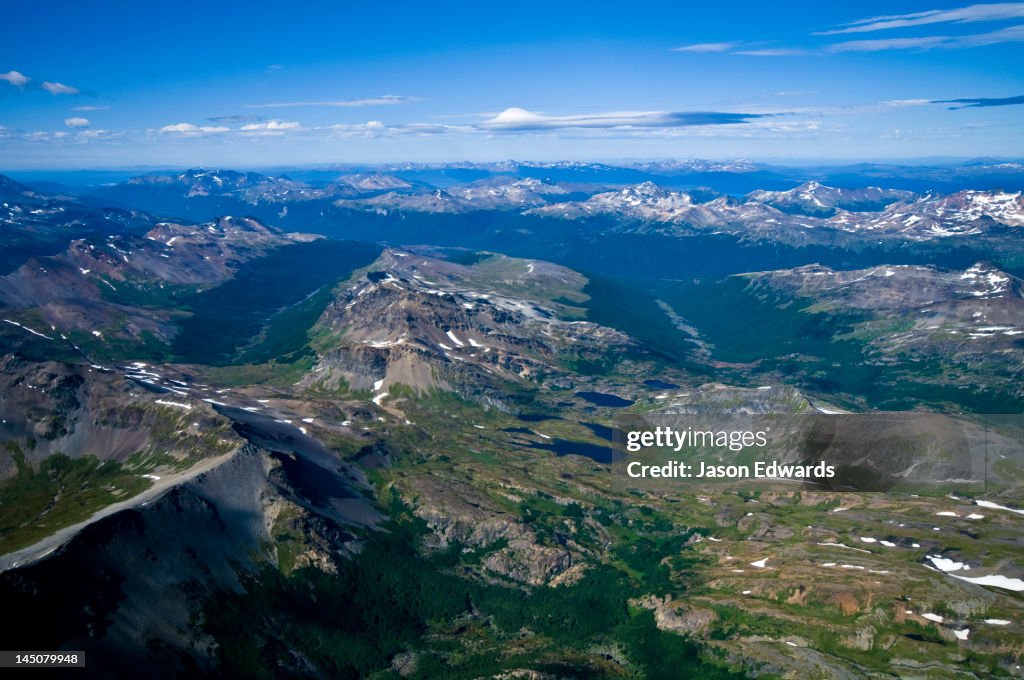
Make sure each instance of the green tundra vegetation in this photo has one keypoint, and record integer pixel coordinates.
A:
(392, 598)
(35, 502)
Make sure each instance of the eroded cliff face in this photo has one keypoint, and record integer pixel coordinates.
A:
(460, 515)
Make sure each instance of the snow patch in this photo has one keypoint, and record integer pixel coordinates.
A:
(995, 506)
(187, 407)
(841, 545)
(26, 328)
(458, 343)
(995, 580)
(946, 564)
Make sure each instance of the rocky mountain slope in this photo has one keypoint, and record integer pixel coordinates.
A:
(36, 223)
(890, 337)
(144, 571)
(425, 323)
(99, 285)
(971, 318)
(651, 207)
(818, 200)
(78, 438)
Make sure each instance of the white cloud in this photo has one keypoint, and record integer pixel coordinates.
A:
(708, 47)
(423, 128)
(180, 127)
(272, 125)
(823, 111)
(76, 122)
(749, 49)
(962, 15)
(58, 88)
(15, 78)
(516, 116)
(903, 103)
(922, 43)
(385, 100)
(376, 128)
(520, 119)
(44, 136)
(371, 128)
(1004, 35)
(90, 108)
(85, 135)
(191, 130)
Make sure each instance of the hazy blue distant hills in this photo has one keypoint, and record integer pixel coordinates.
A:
(729, 177)
(34, 222)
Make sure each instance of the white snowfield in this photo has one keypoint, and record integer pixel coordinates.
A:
(946, 564)
(995, 580)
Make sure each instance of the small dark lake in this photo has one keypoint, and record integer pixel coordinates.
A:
(661, 385)
(535, 417)
(564, 447)
(602, 399)
(602, 431)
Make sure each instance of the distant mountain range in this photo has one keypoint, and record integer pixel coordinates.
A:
(792, 216)
(810, 212)
(815, 199)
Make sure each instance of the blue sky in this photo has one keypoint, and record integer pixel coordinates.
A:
(109, 84)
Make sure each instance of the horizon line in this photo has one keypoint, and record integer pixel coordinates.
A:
(616, 162)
